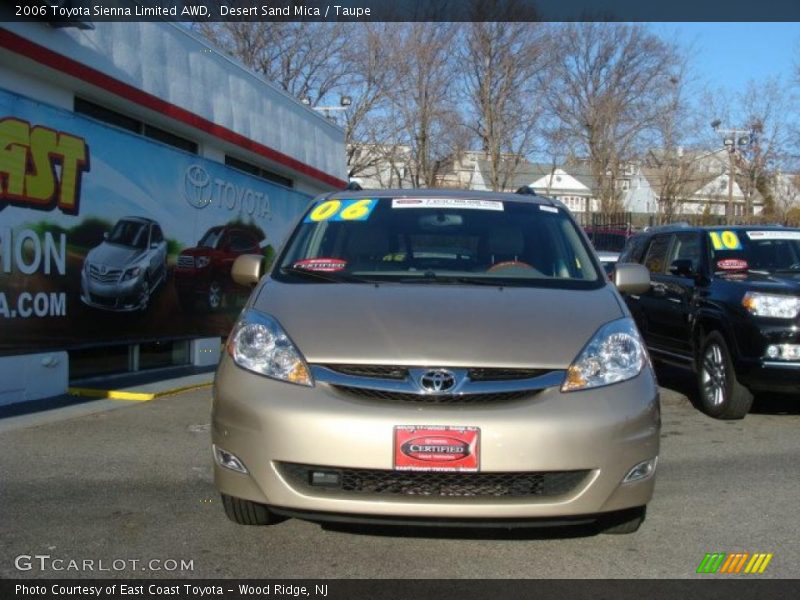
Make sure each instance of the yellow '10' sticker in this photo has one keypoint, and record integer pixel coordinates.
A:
(725, 240)
(341, 210)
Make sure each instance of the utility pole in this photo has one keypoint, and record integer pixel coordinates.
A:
(731, 138)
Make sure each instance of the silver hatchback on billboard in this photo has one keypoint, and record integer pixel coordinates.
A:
(122, 273)
(432, 356)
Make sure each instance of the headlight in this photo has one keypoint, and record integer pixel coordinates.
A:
(771, 305)
(259, 344)
(131, 273)
(201, 261)
(615, 353)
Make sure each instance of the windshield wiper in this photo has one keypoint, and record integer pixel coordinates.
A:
(332, 277)
(433, 277)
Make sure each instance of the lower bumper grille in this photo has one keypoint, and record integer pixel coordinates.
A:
(434, 484)
(372, 394)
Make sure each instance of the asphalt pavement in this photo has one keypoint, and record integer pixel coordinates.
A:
(132, 483)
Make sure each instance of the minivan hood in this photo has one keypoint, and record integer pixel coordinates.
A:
(113, 255)
(438, 325)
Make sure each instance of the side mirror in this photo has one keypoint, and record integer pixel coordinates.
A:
(247, 269)
(682, 268)
(631, 278)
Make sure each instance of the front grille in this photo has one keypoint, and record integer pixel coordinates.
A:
(110, 276)
(401, 372)
(375, 371)
(371, 394)
(186, 262)
(103, 300)
(504, 374)
(450, 485)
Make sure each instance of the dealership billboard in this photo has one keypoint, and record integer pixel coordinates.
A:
(109, 237)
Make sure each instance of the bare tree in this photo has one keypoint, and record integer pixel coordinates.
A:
(367, 125)
(303, 58)
(423, 99)
(607, 92)
(500, 62)
(677, 169)
(764, 108)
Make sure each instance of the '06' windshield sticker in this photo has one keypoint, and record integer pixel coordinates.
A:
(725, 240)
(447, 203)
(774, 235)
(341, 210)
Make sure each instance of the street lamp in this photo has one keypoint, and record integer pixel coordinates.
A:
(730, 139)
(344, 104)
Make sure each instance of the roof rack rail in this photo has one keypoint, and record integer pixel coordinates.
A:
(677, 225)
(526, 190)
(354, 186)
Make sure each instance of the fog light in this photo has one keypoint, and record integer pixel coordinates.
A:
(642, 471)
(228, 460)
(783, 352)
(325, 478)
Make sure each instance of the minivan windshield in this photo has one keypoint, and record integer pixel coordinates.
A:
(438, 240)
(769, 250)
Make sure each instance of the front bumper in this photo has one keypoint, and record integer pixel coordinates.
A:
(266, 423)
(754, 369)
(121, 296)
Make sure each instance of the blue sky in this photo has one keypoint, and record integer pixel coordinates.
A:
(730, 54)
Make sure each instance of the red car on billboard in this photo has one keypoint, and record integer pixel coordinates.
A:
(203, 273)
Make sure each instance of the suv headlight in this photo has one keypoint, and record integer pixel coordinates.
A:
(259, 344)
(771, 305)
(615, 353)
(201, 262)
(131, 273)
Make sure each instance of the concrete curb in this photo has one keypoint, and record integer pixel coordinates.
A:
(133, 396)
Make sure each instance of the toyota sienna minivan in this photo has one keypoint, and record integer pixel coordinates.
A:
(436, 357)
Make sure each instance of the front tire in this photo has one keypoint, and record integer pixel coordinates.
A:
(214, 295)
(721, 395)
(245, 512)
(624, 521)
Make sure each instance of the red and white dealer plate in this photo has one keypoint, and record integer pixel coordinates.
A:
(436, 448)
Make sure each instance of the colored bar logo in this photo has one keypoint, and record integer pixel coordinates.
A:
(734, 563)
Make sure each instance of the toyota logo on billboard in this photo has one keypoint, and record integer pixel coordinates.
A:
(197, 186)
(438, 381)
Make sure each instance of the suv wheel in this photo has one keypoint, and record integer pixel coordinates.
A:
(721, 395)
(144, 294)
(214, 296)
(245, 512)
(623, 521)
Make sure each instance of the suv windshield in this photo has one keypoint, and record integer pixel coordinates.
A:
(129, 233)
(211, 238)
(771, 250)
(439, 240)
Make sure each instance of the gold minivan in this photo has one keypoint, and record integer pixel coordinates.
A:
(436, 357)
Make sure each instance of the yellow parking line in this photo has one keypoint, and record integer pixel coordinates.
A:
(132, 396)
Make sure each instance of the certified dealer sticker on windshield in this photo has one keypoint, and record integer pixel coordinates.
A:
(447, 203)
(436, 448)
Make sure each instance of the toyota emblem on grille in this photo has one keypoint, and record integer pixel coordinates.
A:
(438, 381)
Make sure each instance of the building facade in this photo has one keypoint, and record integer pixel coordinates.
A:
(136, 163)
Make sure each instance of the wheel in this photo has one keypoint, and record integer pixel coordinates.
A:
(144, 295)
(214, 295)
(624, 521)
(245, 512)
(721, 395)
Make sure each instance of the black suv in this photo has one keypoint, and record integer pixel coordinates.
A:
(724, 301)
